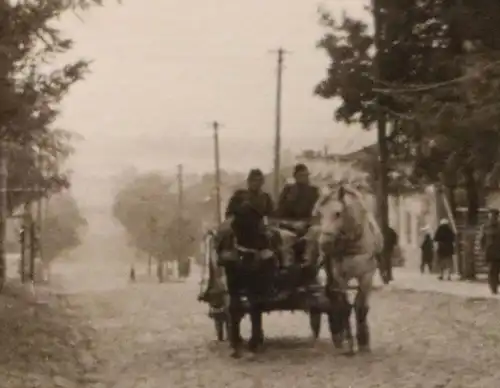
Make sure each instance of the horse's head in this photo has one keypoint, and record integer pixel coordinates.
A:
(341, 214)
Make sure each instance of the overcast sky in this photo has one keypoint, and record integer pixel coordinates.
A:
(163, 69)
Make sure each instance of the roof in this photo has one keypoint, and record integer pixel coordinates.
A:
(368, 151)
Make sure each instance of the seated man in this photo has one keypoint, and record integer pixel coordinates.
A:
(247, 213)
(296, 204)
(246, 225)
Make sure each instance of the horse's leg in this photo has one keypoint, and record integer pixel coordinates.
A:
(336, 329)
(335, 319)
(347, 309)
(361, 307)
(234, 309)
(234, 320)
(340, 323)
(257, 337)
(340, 314)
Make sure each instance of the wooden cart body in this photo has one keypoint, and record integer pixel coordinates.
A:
(213, 291)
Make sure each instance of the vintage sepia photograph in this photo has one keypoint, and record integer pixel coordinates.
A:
(249, 194)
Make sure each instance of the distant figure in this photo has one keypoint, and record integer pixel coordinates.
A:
(427, 250)
(390, 245)
(445, 239)
(132, 274)
(490, 241)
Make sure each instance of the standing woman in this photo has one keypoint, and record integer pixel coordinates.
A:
(427, 250)
(445, 239)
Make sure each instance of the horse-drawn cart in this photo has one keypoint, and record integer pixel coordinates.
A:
(291, 296)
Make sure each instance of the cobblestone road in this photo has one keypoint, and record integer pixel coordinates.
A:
(158, 336)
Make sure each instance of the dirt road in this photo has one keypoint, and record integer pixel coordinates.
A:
(158, 336)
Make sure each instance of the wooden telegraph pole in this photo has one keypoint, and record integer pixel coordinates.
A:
(180, 221)
(180, 186)
(277, 136)
(3, 211)
(40, 206)
(382, 195)
(218, 205)
(35, 224)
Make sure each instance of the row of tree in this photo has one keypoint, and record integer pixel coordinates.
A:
(436, 81)
(32, 87)
(147, 207)
(63, 226)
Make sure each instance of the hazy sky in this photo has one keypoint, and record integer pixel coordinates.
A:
(163, 69)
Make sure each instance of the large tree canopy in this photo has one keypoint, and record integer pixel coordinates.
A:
(31, 89)
(437, 82)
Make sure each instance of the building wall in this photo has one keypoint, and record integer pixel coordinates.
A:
(493, 199)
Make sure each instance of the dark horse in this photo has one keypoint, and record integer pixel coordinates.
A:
(250, 270)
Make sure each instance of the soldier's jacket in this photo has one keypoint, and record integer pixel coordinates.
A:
(248, 210)
(297, 202)
(490, 241)
(245, 202)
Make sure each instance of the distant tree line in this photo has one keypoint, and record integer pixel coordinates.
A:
(146, 205)
(33, 83)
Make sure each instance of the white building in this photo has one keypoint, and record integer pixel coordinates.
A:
(408, 212)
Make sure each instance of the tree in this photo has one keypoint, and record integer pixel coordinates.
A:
(30, 93)
(458, 118)
(422, 60)
(147, 208)
(62, 226)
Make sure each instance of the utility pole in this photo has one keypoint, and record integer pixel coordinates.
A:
(180, 222)
(180, 187)
(36, 224)
(382, 195)
(3, 211)
(277, 137)
(218, 218)
(41, 199)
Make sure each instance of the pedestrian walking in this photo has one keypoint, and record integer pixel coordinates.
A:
(427, 250)
(445, 239)
(490, 242)
(385, 261)
(132, 274)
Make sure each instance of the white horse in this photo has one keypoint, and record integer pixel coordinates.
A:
(349, 242)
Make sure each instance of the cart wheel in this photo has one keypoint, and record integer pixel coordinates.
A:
(220, 326)
(315, 322)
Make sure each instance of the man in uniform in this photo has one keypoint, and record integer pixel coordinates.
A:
(297, 200)
(245, 223)
(490, 241)
(296, 204)
(248, 210)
